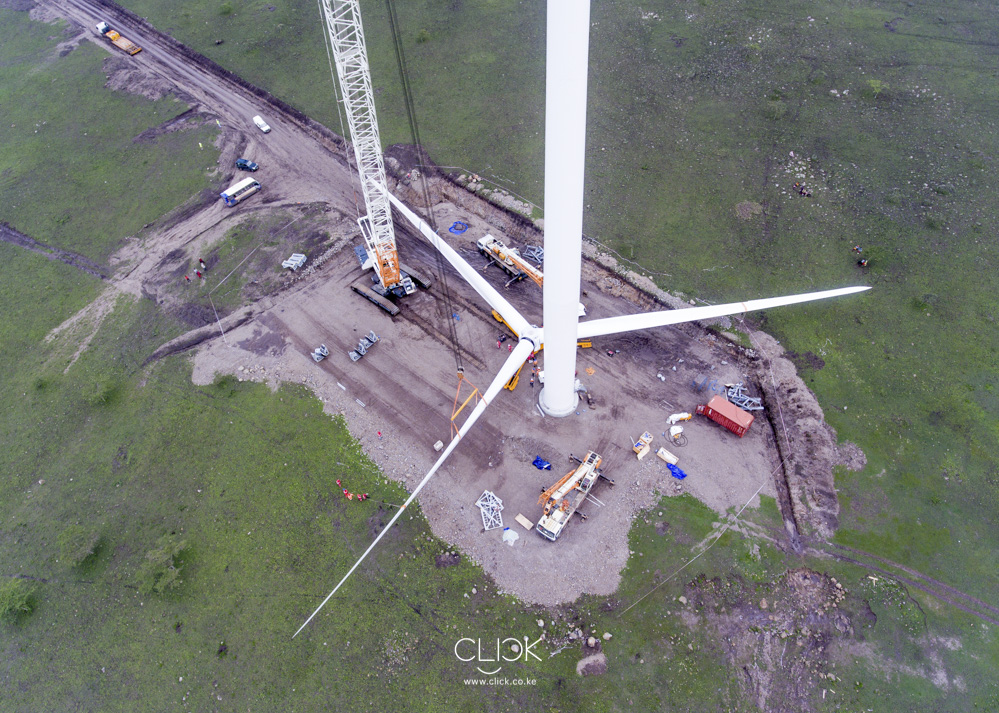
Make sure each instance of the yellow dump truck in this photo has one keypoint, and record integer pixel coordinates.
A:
(117, 40)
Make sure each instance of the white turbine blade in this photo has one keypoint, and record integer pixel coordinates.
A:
(471, 275)
(632, 322)
(506, 372)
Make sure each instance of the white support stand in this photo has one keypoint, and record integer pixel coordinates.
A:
(565, 155)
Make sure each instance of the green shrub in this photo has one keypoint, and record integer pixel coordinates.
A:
(776, 110)
(16, 598)
(77, 544)
(160, 571)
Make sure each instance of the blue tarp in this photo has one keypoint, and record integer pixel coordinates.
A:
(541, 464)
(677, 473)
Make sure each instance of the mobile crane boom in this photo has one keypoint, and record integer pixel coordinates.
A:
(510, 260)
(560, 500)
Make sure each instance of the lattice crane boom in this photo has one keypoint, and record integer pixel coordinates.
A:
(343, 23)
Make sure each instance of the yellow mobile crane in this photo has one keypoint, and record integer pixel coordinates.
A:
(512, 383)
(562, 499)
(510, 260)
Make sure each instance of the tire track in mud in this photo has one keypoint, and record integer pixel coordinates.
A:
(924, 583)
(9, 235)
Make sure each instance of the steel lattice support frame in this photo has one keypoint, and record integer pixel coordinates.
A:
(343, 23)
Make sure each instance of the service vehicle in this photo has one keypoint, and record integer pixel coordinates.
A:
(562, 500)
(240, 191)
(261, 124)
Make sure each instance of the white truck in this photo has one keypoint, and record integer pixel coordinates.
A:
(261, 124)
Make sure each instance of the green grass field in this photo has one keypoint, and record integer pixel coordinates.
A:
(714, 98)
(63, 139)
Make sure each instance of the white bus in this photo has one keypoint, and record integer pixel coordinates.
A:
(234, 194)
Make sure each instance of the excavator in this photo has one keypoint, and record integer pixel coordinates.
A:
(562, 500)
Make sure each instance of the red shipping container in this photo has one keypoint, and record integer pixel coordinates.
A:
(721, 410)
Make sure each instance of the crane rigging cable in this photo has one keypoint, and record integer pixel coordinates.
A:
(414, 130)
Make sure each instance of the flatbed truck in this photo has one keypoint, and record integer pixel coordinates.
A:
(105, 30)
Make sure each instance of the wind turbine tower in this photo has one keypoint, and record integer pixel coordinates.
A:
(567, 59)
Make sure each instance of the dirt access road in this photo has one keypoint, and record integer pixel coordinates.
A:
(406, 386)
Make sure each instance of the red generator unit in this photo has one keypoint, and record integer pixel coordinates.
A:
(721, 410)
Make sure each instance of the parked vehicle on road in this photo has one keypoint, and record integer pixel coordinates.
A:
(261, 124)
(239, 191)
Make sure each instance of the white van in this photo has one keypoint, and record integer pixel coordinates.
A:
(261, 124)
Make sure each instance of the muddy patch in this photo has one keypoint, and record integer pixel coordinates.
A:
(776, 635)
(593, 665)
(448, 559)
(265, 341)
(807, 360)
(185, 121)
(377, 522)
(195, 315)
(124, 75)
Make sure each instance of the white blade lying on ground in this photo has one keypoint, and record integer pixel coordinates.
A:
(506, 372)
(632, 322)
(471, 275)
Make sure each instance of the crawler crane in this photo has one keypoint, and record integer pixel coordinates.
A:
(392, 278)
